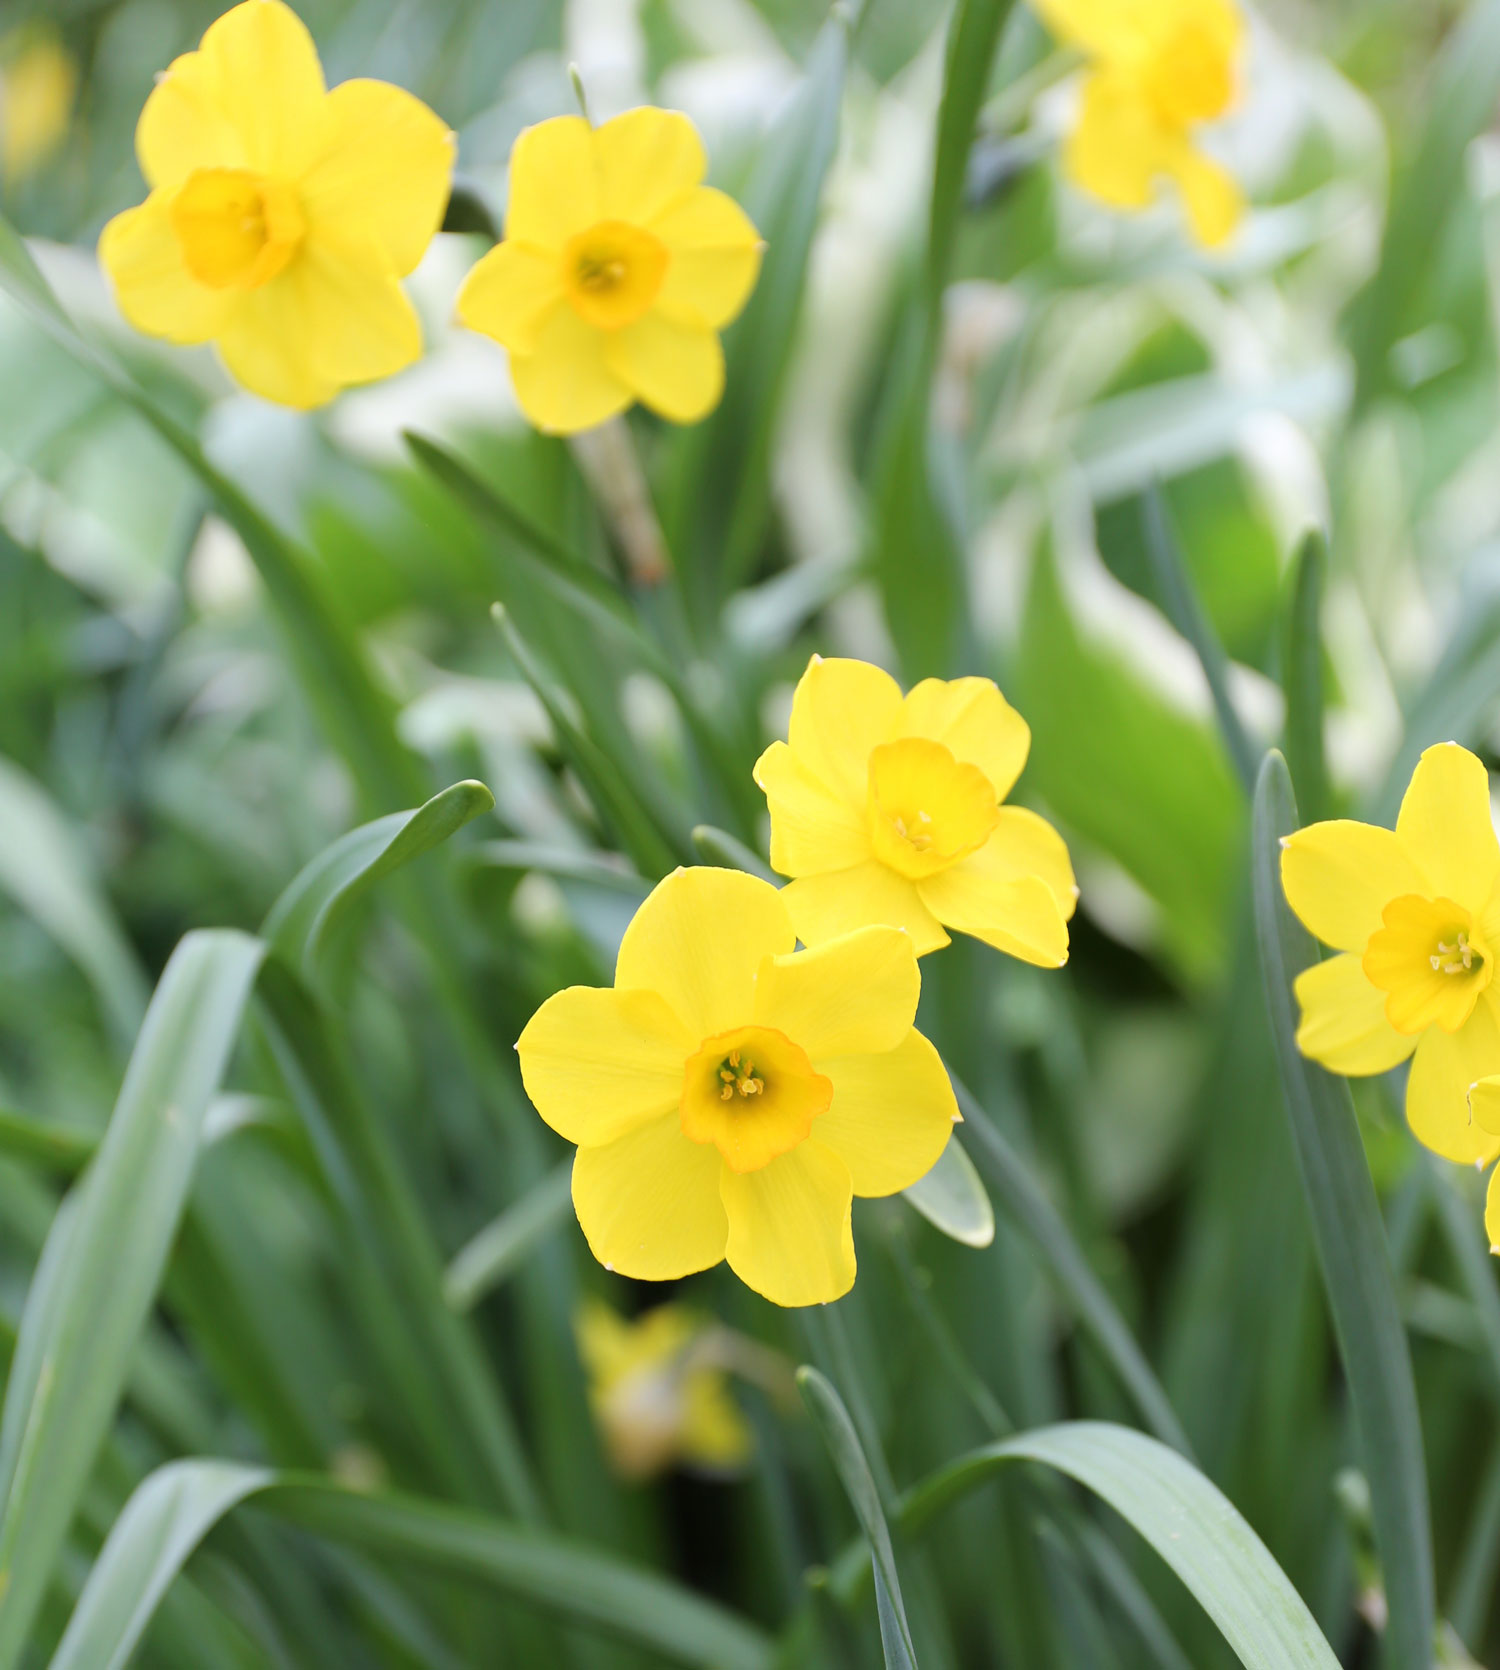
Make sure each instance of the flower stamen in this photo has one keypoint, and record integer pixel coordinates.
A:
(739, 1078)
(1454, 959)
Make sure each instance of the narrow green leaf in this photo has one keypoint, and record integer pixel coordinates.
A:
(1024, 1199)
(1302, 678)
(57, 1148)
(178, 1505)
(103, 1262)
(952, 1198)
(570, 865)
(718, 846)
(837, 1431)
(303, 921)
(483, 1263)
(1187, 614)
(50, 877)
(1194, 1528)
(1352, 1252)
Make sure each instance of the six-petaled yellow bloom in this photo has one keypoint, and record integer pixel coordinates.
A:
(1415, 916)
(1157, 70)
(658, 1391)
(729, 1094)
(618, 270)
(282, 216)
(888, 809)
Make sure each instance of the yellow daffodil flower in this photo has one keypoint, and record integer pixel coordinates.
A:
(1415, 914)
(729, 1095)
(658, 1391)
(37, 83)
(618, 270)
(888, 809)
(282, 216)
(1157, 69)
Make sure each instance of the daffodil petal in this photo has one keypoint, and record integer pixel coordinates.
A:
(1104, 27)
(824, 906)
(715, 258)
(974, 722)
(596, 1063)
(155, 291)
(359, 320)
(267, 346)
(1117, 147)
(648, 160)
(841, 711)
(1020, 916)
(1444, 1067)
(565, 385)
(508, 294)
(384, 175)
(648, 1203)
(714, 1433)
(554, 183)
(891, 1116)
(1340, 875)
(184, 125)
(790, 1236)
(1210, 193)
(676, 370)
(1023, 844)
(1484, 1104)
(849, 996)
(699, 940)
(813, 829)
(1344, 1025)
(1446, 827)
(1492, 1211)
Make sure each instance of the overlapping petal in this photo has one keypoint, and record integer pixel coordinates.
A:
(1444, 1067)
(1023, 844)
(153, 286)
(715, 258)
(699, 940)
(268, 346)
(1344, 1024)
(1339, 876)
(974, 722)
(677, 370)
(648, 161)
(891, 1116)
(790, 1235)
(814, 829)
(1210, 193)
(1019, 916)
(853, 995)
(1446, 827)
(565, 384)
(509, 293)
(554, 183)
(841, 710)
(824, 906)
(649, 1202)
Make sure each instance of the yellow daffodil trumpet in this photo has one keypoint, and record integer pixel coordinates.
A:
(1157, 70)
(1414, 914)
(889, 809)
(659, 1392)
(618, 269)
(282, 215)
(729, 1095)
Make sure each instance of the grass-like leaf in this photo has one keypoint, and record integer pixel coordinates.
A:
(1352, 1252)
(1302, 677)
(952, 1198)
(484, 1262)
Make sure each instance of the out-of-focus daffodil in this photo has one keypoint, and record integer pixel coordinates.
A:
(37, 83)
(282, 216)
(618, 270)
(729, 1095)
(1157, 70)
(658, 1390)
(888, 809)
(1415, 914)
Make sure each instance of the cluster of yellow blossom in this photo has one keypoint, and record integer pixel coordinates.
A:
(282, 215)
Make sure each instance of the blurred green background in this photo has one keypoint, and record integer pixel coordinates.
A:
(180, 733)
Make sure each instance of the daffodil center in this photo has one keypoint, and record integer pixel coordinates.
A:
(1430, 960)
(237, 230)
(613, 272)
(1190, 79)
(926, 810)
(753, 1093)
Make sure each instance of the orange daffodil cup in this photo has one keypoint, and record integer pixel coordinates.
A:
(1415, 916)
(1157, 70)
(282, 215)
(618, 270)
(729, 1095)
(890, 809)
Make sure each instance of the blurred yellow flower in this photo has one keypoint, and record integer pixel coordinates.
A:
(1157, 70)
(1415, 913)
(37, 83)
(729, 1095)
(887, 809)
(282, 216)
(658, 1390)
(617, 272)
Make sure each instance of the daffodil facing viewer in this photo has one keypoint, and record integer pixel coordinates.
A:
(887, 808)
(1415, 916)
(282, 216)
(658, 1390)
(729, 1095)
(1157, 71)
(618, 270)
